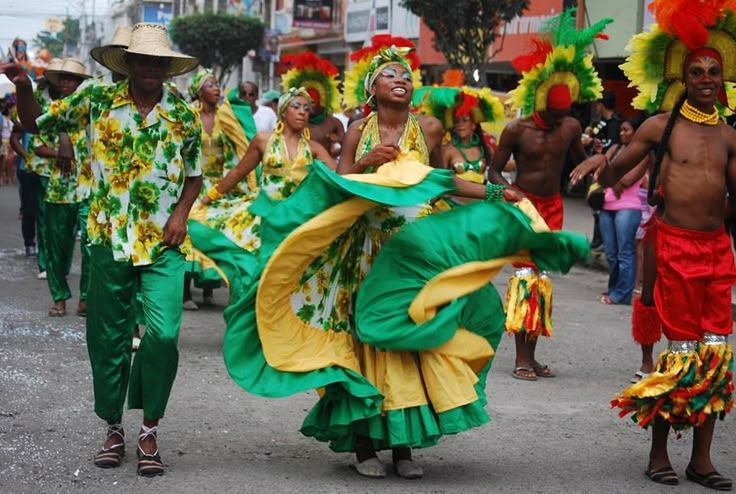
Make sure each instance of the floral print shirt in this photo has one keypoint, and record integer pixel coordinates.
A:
(37, 164)
(139, 165)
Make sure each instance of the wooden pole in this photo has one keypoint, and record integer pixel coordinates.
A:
(580, 15)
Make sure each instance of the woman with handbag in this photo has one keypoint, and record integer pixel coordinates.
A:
(619, 221)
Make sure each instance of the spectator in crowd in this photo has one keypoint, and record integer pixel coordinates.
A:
(619, 221)
(264, 117)
(271, 99)
(598, 139)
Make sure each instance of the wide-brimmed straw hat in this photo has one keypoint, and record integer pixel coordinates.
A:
(70, 66)
(152, 40)
(121, 39)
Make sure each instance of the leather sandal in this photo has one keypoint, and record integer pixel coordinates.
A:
(112, 457)
(149, 465)
(712, 480)
(664, 476)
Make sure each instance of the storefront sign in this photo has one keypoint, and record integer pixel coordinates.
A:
(313, 13)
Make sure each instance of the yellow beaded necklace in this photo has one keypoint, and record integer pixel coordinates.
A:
(694, 115)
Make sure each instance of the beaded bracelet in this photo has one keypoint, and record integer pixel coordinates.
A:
(214, 194)
(494, 192)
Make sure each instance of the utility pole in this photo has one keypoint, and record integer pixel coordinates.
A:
(65, 52)
(580, 15)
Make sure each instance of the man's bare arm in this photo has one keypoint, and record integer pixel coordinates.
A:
(175, 230)
(433, 131)
(28, 108)
(731, 166)
(45, 152)
(608, 174)
(577, 150)
(16, 141)
(643, 142)
(503, 153)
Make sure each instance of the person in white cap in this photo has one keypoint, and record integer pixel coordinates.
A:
(145, 143)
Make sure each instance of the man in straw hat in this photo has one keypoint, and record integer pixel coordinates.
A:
(121, 39)
(64, 206)
(39, 166)
(145, 145)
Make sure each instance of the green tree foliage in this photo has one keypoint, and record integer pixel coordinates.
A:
(219, 40)
(466, 29)
(55, 42)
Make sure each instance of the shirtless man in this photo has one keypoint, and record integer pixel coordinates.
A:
(540, 145)
(325, 128)
(695, 266)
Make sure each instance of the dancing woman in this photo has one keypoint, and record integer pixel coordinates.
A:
(340, 263)
(225, 225)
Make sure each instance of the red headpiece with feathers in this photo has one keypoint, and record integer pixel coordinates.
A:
(381, 41)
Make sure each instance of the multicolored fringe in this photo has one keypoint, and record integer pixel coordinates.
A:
(529, 303)
(686, 387)
(646, 327)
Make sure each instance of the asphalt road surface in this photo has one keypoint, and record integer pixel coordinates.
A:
(551, 436)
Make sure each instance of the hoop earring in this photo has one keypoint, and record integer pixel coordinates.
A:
(307, 134)
(279, 127)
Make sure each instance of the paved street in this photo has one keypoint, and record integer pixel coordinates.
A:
(550, 436)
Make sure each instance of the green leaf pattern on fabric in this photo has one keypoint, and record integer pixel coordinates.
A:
(130, 157)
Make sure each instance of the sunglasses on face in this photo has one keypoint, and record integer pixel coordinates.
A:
(298, 105)
(391, 73)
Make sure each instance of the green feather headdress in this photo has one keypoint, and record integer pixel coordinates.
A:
(560, 58)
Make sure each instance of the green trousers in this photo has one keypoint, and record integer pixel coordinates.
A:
(42, 256)
(110, 323)
(61, 221)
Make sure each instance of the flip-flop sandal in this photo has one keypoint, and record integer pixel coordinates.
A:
(543, 371)
(638, 376)
(665, 476)
(712, 480)
(606, 300)
(54, 312)
(516, 373)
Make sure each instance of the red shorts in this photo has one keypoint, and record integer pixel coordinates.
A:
(695, 273)
(552, 210)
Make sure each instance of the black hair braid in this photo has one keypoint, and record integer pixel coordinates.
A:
(662, 147)
(483, 144)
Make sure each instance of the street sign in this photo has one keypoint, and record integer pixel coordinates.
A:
(54, 25)
(160, 13)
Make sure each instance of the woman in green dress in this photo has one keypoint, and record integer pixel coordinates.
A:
(223, 144)
(225, 225)
(359, 294)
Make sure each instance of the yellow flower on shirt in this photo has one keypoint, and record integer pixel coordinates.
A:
(138, 165)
